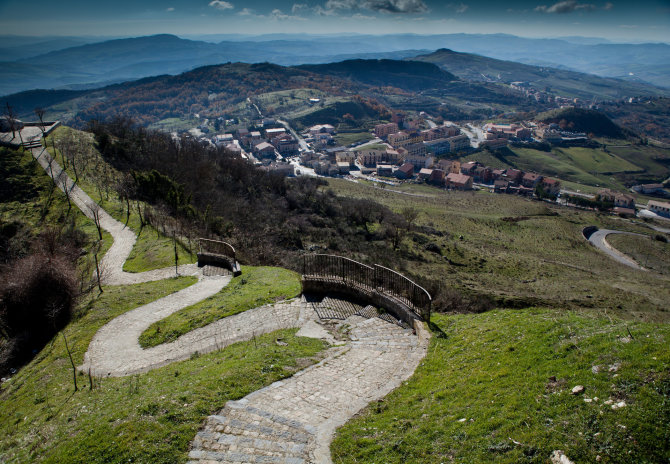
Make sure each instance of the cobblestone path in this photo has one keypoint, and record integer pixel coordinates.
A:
(124, 237)
(291, 421)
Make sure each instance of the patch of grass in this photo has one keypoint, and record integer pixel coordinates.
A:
(347, 138)
(256, 287)
(647, 251)
(496, 387)
(374, 146)
(148, 418)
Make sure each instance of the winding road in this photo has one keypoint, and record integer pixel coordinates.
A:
(599, 240)
(291, 421)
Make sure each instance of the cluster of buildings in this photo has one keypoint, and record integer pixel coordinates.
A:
(320, 135)
(435, 141)
(262, 146)
(540, 96)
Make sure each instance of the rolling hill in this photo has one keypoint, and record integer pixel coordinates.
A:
(31, 63)
(559, 81)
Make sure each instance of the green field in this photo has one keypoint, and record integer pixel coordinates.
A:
(496, 387)
(176, 124)
(347, 138)
(144, 418)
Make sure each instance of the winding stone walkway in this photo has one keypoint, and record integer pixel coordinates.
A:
(291, 421)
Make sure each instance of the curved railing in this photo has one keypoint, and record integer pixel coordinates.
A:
(339, 269)
(216, 247)
(217, 252)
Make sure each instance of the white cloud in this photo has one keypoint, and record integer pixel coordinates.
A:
(298, 7)
(608, 6)
(279, 15)
(221, 5)
(380, 6)
(460, 8)
(170, 9)
(566, 6)
(246, 12)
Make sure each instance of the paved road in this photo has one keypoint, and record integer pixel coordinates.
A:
(598, 239)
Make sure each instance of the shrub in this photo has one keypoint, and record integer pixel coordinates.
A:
(37, 297)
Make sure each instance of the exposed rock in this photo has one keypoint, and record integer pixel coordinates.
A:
(578, 389)
(619, 405)
(559, 457)
(595, 369)
(614, 367)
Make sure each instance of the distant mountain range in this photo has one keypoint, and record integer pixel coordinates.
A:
(30, 63)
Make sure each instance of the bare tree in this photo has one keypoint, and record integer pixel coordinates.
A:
(409, 214)
(95, 209)
(11, 119)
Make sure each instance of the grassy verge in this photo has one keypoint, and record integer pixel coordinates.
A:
(496, 387)
(648, 252)
(149, 418)
(152, 250)
(255, 287)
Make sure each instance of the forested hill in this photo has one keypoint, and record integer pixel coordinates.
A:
(210, 89)
(214, 90)
(409, 75)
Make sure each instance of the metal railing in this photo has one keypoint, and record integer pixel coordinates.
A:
(216, 247)
(379, 278)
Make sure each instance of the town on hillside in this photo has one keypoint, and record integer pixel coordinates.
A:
(417, 149)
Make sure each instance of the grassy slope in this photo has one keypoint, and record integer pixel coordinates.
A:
(146, 418)
(485, 385)
(651, 254)
(588, 169)
(542, 257)
(152, 250)
(48, 207)
(256, 287)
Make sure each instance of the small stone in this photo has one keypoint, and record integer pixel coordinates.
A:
(608, 402)
(462, 420)
(559, 457)
(614, 367)
(598, 458)
(595, 369)
(587, 400)
(620, 404)
(578, 389)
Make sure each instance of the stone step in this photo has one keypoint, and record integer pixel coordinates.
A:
(255, 445)
(198, 456)
(242, 433)
(248, 424)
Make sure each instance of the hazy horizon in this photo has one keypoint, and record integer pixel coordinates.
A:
(643, 21)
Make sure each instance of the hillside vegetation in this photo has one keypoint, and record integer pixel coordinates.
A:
(583, 120)
(496, 387)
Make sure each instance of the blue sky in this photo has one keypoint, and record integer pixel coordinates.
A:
(642, 20)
